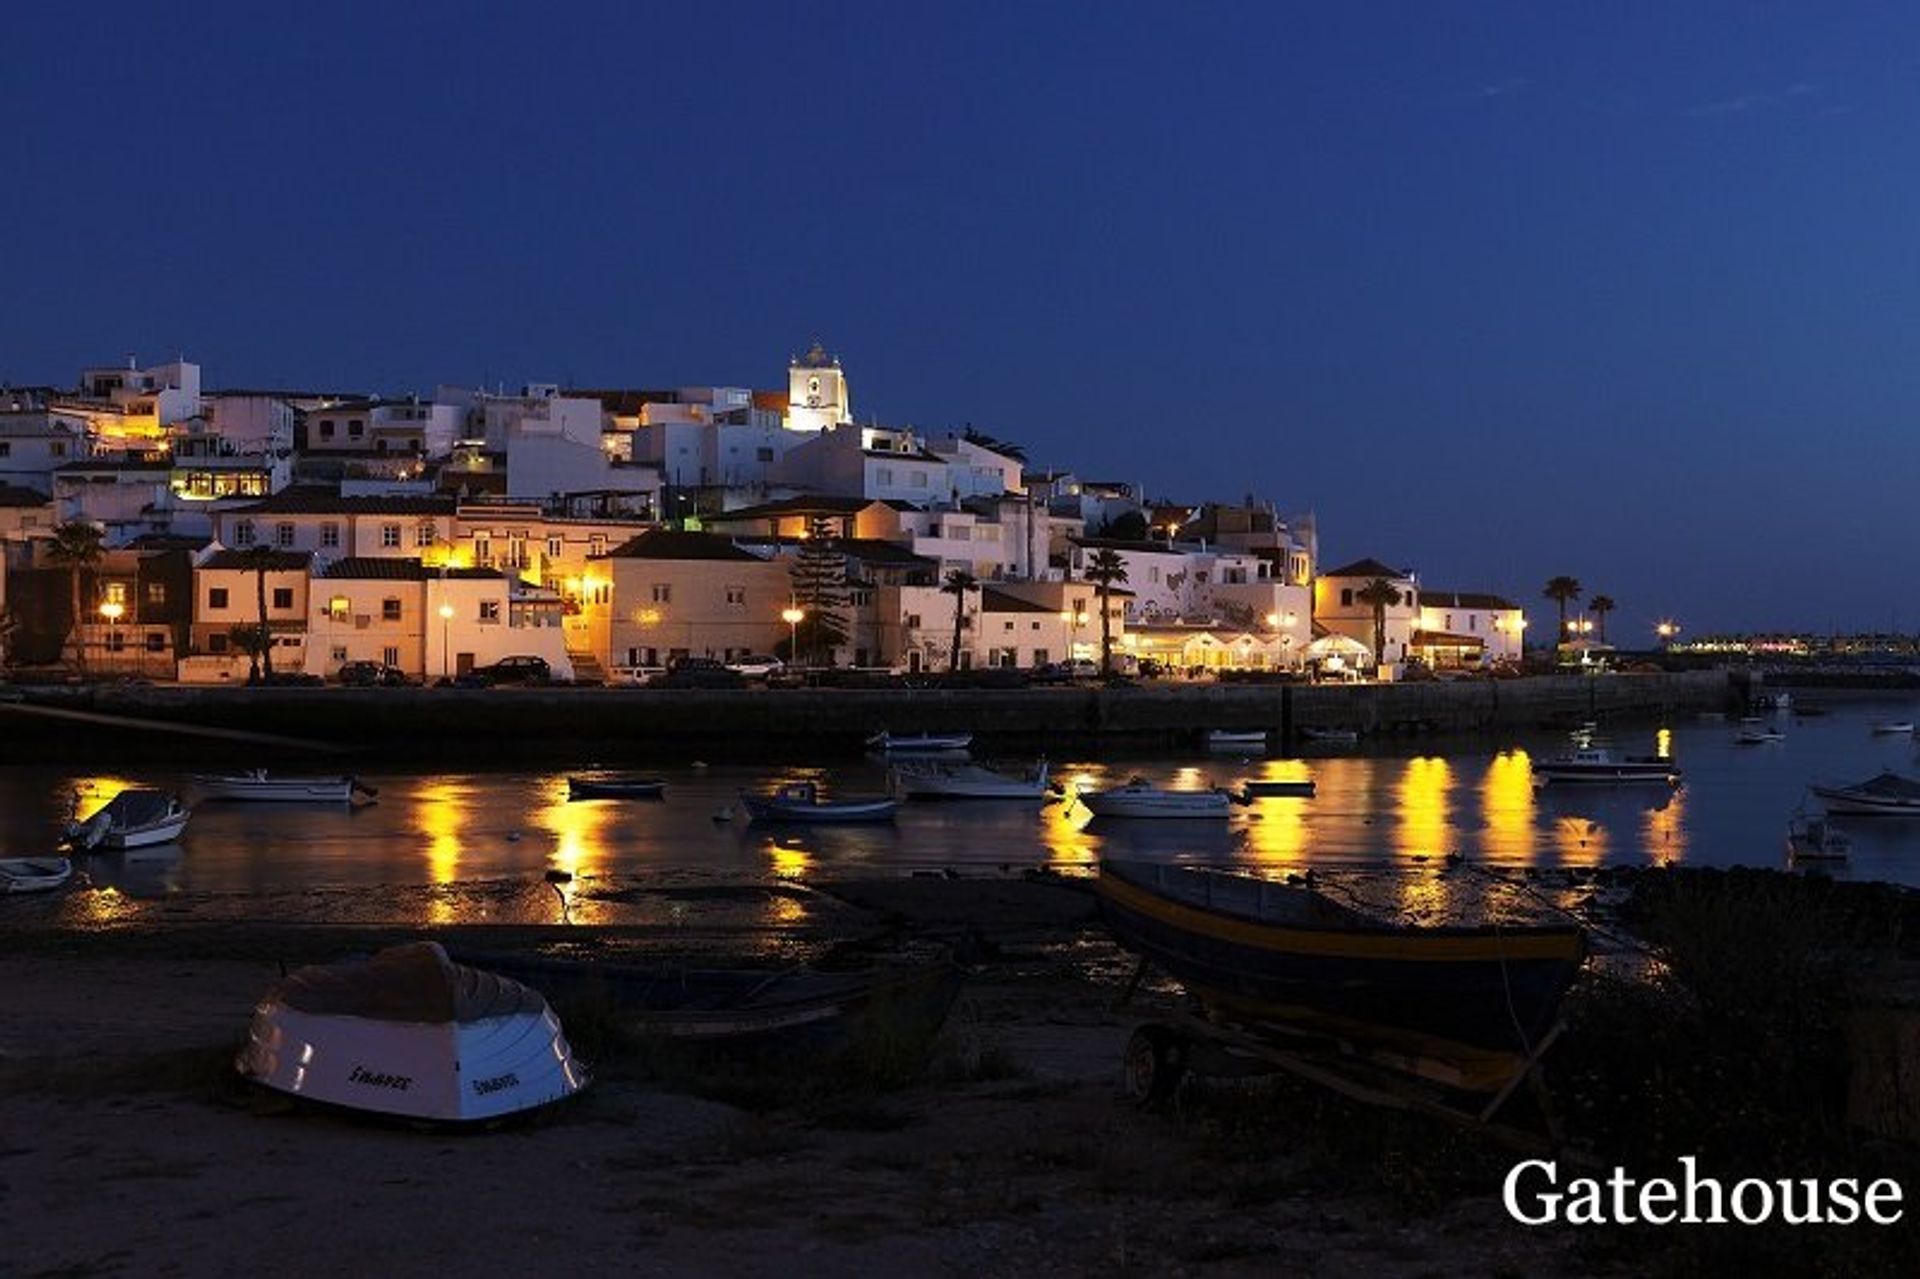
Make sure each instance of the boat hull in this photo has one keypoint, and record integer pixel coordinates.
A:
(763, 809)
(923, 744)
(1479, 998)
(591, 788)
(1604, 774)
(1835, 801)
(1163, 805)
(282, 790)
(941, 782)
(1258, 788)
(34, 874)
(1223, 740)
(164, 832)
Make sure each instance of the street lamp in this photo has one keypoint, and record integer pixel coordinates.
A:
(792, 616)
(1666, 629)
(446, 624)
(112, 610)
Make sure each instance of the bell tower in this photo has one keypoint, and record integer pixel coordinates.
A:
(817, 394)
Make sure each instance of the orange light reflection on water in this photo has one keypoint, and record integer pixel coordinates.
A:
(1507, 804)
(1424, 830)
(439, 815)
(579, 828)
(1279, 828)
(1663, 828)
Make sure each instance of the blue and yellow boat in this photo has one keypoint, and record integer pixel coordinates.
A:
(1468, 1006)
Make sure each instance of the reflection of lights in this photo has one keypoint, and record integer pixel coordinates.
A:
(790, 860)
(1423, 807)
(1507, 808)
(439, 809)
(1663, 743)
(1282, 834)
(581, 847)
(1663, 829)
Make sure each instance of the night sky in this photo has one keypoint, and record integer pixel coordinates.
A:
(1627, 292)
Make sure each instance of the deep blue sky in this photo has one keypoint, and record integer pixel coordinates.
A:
(1628, 292)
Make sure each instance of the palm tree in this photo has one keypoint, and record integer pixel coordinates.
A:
(1601, 605)
(1563, 591)
(259, 560)
(1105, 569)
(76, 544)
(1380, 595)
(957, 583)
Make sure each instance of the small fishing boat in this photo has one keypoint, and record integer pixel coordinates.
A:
(1758, 736)
(616, 786)
(1476, 1000)
(1891, 726)
(802, 802)
(33, 874)
(1600, 764)
(798, 1014)
(1229, 739)
(943, 779)
(1139, 798)
(1328, 736)
(1889, 794)
(1262, 787)
(134, 818)
(257, 784)
(409, 1032)
(918, 743)
(1811, 838)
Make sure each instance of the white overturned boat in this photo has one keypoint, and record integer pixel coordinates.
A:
(1890, 794)
(941, 779)
(1233, 739)
(33, 874)
(918, 743)
(135, 818)
(409, 1032)
(258, 784)
(1138, 798)
(1600, 764)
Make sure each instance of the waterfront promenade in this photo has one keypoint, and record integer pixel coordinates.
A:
(62, 721)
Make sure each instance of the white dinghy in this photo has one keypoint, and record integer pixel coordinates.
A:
(409, 1032)
(34, 874)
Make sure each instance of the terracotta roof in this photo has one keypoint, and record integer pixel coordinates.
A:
(251, 560)
(307, 499)
(1444, 639)
(398, 569)
(1462, 599)
(992, 601)
(810, 505)
(15, 495)
(1366, 568)
(667, 544)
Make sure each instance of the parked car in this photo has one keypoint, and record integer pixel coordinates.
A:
(365, 674)
(701, 672)
(756, 666)
(519, 669)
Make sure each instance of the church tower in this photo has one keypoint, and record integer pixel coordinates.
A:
(817, 394)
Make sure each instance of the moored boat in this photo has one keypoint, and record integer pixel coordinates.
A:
(1328, 736)
(1600, 764)
(797, 1013)
(1480, 999)
(1758, 736)
(1891, 726)
(1141, 799)
(802, 802)
(1259, 787)
(34, 874)
(1230, 739)
(616, 786)
(918, 743)
(942, 779)
(1812, 838)
(1888, 794)
(258, 784)
(409, 1032)
(134, 818)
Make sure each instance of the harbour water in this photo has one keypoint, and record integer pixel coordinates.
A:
(468, 847)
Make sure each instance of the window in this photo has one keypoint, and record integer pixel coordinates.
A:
(1039, 657)
(243, 533)
(156, 641)
(390, 655)
(1449, 623)
(883, 476)
(356, 429)
(330, 534)
(217, 643)
(283, 535)
(737, 595)
(6, 448)
(155, 593)
(116, 640)
(913, 621)
(662, 593)
(283, 597)
(217, 597)
(553, 548)
(390, 535)
(763, 455)
(483, 552)
(489, 610)
(337, 607)
(920, 482)
(326, 428)
(1346, 598)
(423, 536)
(58, 448)
(597, 544)
(114, 593)
(1006, 626)
(339, 653)
(390, 611)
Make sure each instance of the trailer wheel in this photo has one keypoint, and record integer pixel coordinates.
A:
(1155, 1062)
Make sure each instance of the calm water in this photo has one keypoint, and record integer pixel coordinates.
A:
(466, 847)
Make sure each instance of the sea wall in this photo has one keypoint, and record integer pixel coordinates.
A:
(67, 724)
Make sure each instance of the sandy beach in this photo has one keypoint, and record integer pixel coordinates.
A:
(129, 1147)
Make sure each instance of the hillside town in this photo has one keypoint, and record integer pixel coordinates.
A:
(159, 530)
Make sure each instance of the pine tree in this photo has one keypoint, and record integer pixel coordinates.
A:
(820, 590)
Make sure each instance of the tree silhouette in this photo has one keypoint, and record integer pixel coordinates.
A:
(1380, 595)
(1563, 591)
(1601, 606)
(1105, 569)
(76, 544)
(957, 583)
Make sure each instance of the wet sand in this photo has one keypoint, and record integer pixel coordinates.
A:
(126, 1146)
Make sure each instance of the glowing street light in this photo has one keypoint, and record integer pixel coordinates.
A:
(446, 626)
(112, 610)
(792, 615)
(1666, 629)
